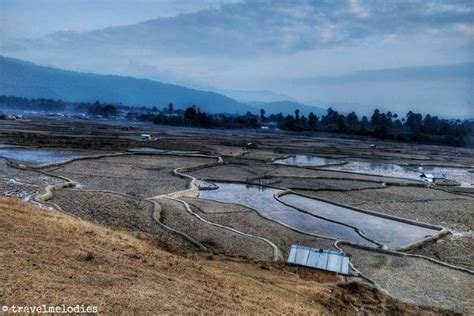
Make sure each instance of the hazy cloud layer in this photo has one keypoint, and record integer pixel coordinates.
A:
(254, 27)
(269, 45)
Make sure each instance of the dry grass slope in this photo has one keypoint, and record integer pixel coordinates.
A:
(51, 258)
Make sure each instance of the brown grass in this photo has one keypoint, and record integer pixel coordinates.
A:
(51, 258)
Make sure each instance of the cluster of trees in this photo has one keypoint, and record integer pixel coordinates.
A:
(193, 116)
(97, 108)
(25, 104)
(412, 127)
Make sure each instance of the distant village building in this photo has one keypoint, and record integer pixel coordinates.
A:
(145, 136)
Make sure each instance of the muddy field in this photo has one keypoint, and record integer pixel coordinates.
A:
(126, 191)
(135, 175)
(416, 280)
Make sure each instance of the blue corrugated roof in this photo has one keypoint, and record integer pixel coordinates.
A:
(322, 259)
(433, 175)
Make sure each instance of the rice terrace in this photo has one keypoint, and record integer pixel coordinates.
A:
(212, 198)
(280, 157)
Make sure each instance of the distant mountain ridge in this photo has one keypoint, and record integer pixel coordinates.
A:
(249, 96)
(25, 79)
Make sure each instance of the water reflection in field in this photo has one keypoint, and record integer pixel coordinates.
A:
(306, 161)
(387, 231)
(413, 172)
(262, 200)
(377, 168)
(37, 155)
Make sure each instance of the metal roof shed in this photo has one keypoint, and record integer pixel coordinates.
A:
(321, 259)
(434, 175)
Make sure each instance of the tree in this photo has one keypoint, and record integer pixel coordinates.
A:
(352, 120)
(170, 109)
(297, 115)
(312, 120)
(190, 113)
(414, 122)
(262, 115)
(330, 120)
(365, 121)
(303, 122)
(280, 118)
(340, 123)
(375, 120)
(290, 123)
(397, 124)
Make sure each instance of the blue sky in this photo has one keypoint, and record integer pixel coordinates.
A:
(256, 45)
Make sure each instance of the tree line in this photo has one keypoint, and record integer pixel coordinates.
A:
(193, 116)
(411, 127)
(25, 104)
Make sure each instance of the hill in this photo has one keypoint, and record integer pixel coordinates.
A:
(52, 258)
(288, 107)
(25, 79)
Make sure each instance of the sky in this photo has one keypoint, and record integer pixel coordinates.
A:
(305, 50)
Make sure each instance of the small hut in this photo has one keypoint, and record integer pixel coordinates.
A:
(328, 261)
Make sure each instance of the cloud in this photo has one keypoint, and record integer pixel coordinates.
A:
(466, 29)
(258, 27)
(357, 8)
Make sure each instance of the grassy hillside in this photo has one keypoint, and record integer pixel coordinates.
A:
(51, 258)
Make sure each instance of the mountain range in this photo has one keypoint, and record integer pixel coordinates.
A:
(25, 79)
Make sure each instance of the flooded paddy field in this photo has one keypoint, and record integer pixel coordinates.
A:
(389, 232)
(458, 175)
(236, 214)
(262, 200)
(23, 184)
(329, 220)
(461, 176)
(307, 161)
(37, 155)
(249, 221)
(452, 211)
